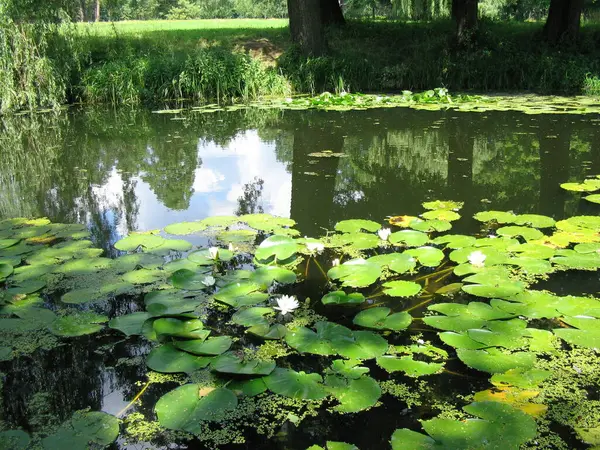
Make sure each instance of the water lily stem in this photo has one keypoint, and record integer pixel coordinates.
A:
(320, 268)
(135, 399)
(307, 265)
(419, 304)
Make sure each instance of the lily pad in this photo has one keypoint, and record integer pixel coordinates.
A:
(495, 361)
(130, 324)
(396, 262)
(427, 256)
(172, 302)
(524, 379)
(212, 346)
(354, 395)
(77, 324)
(449, 205)
(277, 246)
(186, 228)
(356, 273)
(341, 298)
(169, 359)
(381, 318)
(136, 240)
(190, 280)
(241, 294)
(401, 288)
(83, 429)
(441, 214)
(535, 220)
(188, 329)
(230, 363)
(185, 409)
(298, 385)
(410, 238)
(527, 233)
(408, 365)
(496, 216)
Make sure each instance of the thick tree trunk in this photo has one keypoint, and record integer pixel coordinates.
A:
(97, 11)
(82, 16)
(564, 18)
(464, 13)
(331, 13)
(306, 26)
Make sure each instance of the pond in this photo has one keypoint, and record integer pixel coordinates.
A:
(120, 171)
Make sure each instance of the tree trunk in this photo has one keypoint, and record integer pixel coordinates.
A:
(82, 16)
(97, 13)
(331, 13)
(464, 13)
(564, 18)
(306, 26)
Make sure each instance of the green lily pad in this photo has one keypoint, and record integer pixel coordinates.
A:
(127, 263)
(5, 243)
(396, 262)
(130, 324)
(237, 236)
(441, 214)
(136, 240)
(347, 369)
(356, 273)
(524, 379)
(573, 260)
(460, 340)
(241, 294)
(84, 429)
(26, 287)
(77, 324)
(252, 316)
(191, 280)
(380, 318)
(401, 288)
(427, 256)
(268, 274)
(185, 409)
(594, 198)
(356, 225)
(530, 250)
(220, 221)
(535, 220)
(248, 388)
(277, 246)
(204, 258)
(495, 361)
(267, 222)
(230, 363)
(212, 346)
(500, 426)
(587, 186)
(341, 298)
(496, 216)
(185, 228)
(298, 385)
(408, 365)
(428, 226)
(409, 238)
(170, 302)
(5, 270)
(354, 395)
(169, 359)
(356, 241)
(455, 241)
(586, 334)
(449, 205)
(527, 233)
(143, 276)
(188, 329)
(266, 331)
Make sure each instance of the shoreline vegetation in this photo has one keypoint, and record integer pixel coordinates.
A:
(243, 60)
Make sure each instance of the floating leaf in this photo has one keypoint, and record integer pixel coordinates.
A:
(230, 363)
(298, 385)
(189, 329)
(524, 379)
(441, 214)
(455, 241)
(495, 361)
(78, 324)
(341, 298)
(396, 262)
(401, 288)
(172, 302)
(594, 198)
(496, 216)
(408, 365)
(84, 429)
(190, 280)
(268, 274)
(535, 220)
(267, 331)
(427, 256)
(267, 222)
(130, 324)
(248, 388)
(203, 257)
(430, 225)
(356, 273)
(381, 318)
(241, 294)
(252, 316)
(211, 346)
(5, 270)
(137, 240)
(185, 228)
(184, 409)
(410, 238)
(278, 247)
(168, 359)
(443, 204)
(354, 395)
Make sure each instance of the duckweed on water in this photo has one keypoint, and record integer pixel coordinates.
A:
(396, 313)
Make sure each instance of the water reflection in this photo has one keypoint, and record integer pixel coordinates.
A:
(126, 170)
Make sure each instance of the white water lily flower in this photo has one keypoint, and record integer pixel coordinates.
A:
(384, 234)
(208, 281)
(335, 262)
(231, 248)
(286, 304)
(476, 258)
(213, 252)
(315, 247)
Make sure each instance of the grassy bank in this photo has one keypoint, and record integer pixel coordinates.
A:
(139, 62)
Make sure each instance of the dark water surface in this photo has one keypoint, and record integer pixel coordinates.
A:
(125, 170)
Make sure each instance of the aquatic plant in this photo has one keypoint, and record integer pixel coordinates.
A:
(239, 327)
